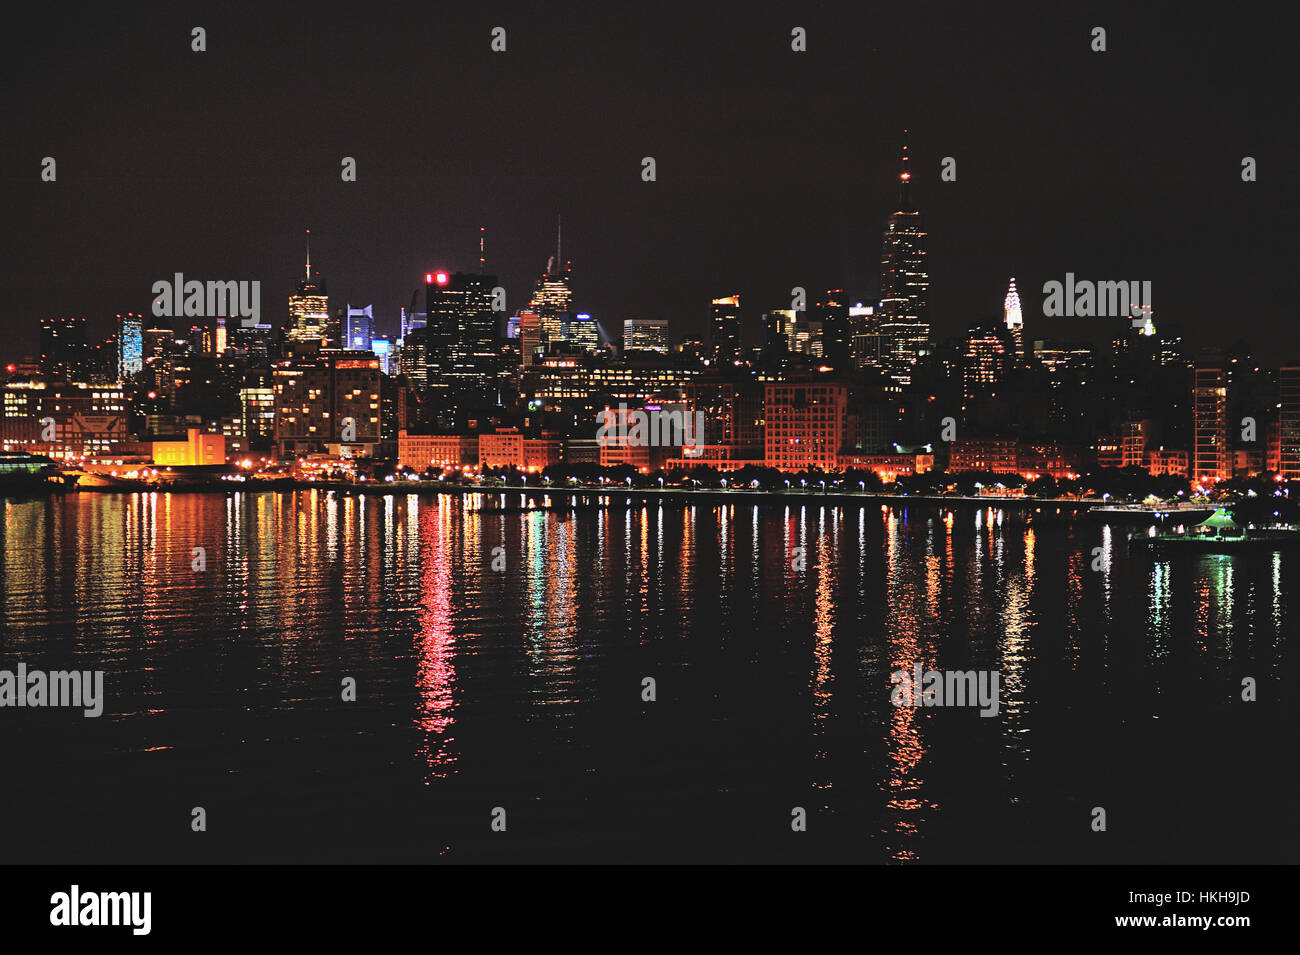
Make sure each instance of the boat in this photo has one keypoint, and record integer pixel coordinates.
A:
(22, 473)
(1219, 534)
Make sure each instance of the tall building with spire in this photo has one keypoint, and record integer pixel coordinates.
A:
(552, 299)
(1015, 322)
(904, 284)
(309, 306)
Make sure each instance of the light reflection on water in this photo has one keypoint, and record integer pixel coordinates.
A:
(772, 673)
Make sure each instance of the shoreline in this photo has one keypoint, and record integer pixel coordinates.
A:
(573, 495)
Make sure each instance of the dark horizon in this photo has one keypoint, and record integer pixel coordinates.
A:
(775, 168)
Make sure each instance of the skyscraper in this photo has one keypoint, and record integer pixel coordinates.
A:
(309, 306)
(904, 284)
(64, 350)
(463, 359)
(410, 321)
(864, 335)
(359, 328)
(645, 334)
(583, 332)
(836, 336)
(552, 299)
(985, 364)
(1014, 320)
(530, 338)
(724, 329)
(1210, 458)
(130, 345)
(413, 362)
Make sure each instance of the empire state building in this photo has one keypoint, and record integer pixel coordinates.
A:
(904, 285)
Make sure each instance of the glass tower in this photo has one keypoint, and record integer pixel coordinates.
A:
(904, 285)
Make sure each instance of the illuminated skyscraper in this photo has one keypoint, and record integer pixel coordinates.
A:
(410, 321)
(985, 364)
(463, 358)
(724, 329)
(553, 296)
(413, 361)
(530, 338)
(257, 406)
(382, 349)
(1211, 461)
(130, 345)
(904, 285)
(1014, 320)
(864, 335)
(309, 306)
(583, 332)
(359, 328)
(645, 334)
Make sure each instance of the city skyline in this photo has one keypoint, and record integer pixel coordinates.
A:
(826, 386)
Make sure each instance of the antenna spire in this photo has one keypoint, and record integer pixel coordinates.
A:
(559, 259)
(904, 180)
(482, 250)
(309, 255)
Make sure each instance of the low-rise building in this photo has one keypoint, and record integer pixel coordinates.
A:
(197, 450)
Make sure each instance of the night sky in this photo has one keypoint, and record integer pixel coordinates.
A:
(775, 168)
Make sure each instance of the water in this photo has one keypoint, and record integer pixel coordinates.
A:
(522, 689)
